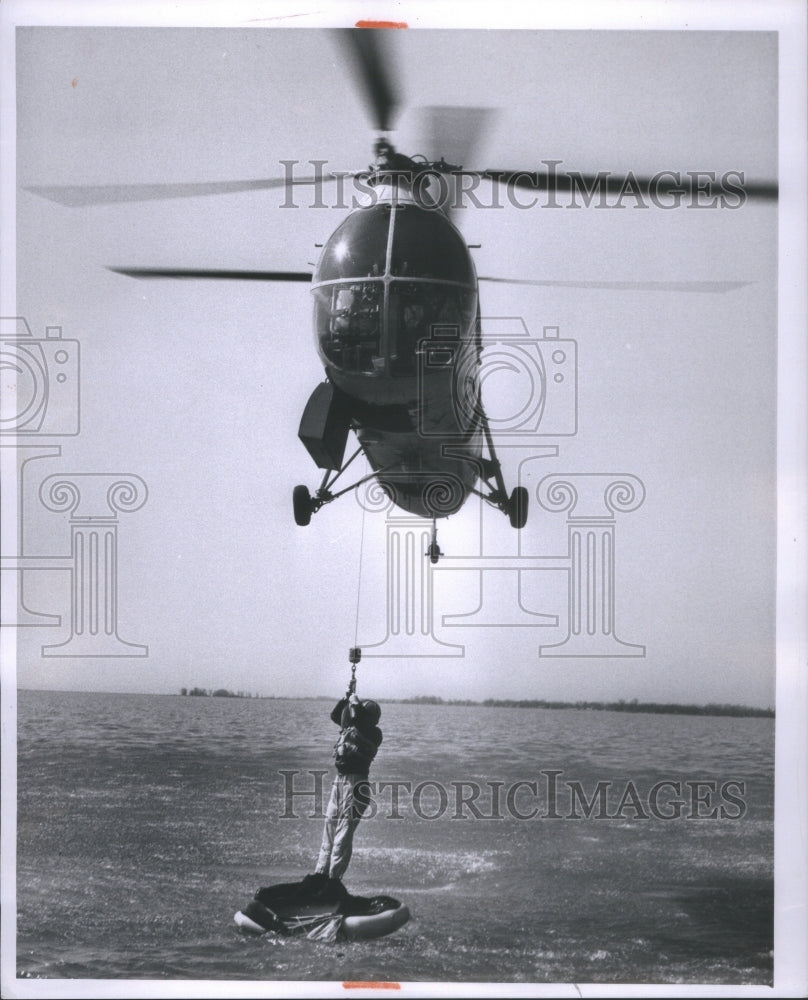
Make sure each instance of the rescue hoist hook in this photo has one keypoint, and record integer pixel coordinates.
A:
(354, 656)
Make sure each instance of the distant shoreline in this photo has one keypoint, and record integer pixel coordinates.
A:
(648, 707)
(657, 708)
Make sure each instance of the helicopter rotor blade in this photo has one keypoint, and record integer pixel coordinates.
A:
(606, 183)
(629, 286)
(211, 274)
(367, 53)
(81, 195)
(453, 133)
(221, 274)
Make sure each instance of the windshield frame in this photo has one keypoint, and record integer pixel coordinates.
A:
(464, 282)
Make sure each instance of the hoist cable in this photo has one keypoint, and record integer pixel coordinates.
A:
(359, 577)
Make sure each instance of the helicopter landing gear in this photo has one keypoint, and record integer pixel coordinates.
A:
(303, 505)
(434, 550)
(517, 507)
(514, 506)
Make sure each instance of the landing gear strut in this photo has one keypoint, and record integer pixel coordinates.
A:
(304, 504)
(515, 505)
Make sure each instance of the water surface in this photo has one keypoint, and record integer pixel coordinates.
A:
(145, 821)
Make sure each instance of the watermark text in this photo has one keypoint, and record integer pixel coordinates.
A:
(547, 796)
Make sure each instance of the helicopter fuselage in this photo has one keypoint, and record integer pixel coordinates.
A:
(397, 328)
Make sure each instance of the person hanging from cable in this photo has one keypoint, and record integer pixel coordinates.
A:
(359, 739)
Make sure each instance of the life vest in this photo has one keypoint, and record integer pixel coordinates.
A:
(354, 752)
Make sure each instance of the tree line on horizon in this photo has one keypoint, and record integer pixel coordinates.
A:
(662, 708)
(198, 692)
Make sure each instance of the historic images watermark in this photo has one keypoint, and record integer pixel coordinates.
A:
(549, 186)
(536, 385)
(41, 386)
(549, 795)
(40, 399)
(537, 378)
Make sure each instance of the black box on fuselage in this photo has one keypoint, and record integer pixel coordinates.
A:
(324, 426)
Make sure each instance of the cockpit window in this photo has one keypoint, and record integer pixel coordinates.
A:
(348, 323)
(358, 248)
(389, 279)
(425, 245)
(422, 314)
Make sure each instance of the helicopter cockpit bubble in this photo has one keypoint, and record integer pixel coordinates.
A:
(427, 245)
(358, 247)
(348, 319)
(387, 278)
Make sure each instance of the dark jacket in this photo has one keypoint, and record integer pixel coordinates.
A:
(359, 738)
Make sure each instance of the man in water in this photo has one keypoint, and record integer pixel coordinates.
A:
(359, 739)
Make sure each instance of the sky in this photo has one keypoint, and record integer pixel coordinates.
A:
(196, 388)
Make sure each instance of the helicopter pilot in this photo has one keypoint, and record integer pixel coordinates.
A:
(354, 327)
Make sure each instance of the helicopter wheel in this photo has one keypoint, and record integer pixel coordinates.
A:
(303, 507)
(434, 552)
(517, 507)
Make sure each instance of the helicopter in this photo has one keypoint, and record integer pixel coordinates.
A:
(397, 326)
(398, 330)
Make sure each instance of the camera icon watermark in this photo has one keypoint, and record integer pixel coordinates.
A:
(530, 384)
(39, 400)
(39, 392)
(510, 388)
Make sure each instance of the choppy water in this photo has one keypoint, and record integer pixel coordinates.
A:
(145, 821)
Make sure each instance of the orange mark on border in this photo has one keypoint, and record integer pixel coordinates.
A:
(371, 986)
(381, 24)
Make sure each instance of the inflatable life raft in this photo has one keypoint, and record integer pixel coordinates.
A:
(321, 909)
